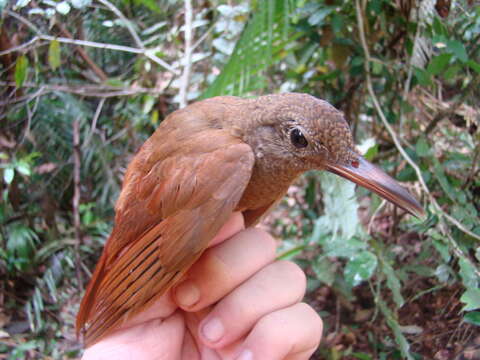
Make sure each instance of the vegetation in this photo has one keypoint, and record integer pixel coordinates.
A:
(83, 83)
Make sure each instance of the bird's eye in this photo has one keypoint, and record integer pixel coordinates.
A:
(297, 138)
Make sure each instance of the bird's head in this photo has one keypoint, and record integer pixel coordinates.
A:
(308, 133)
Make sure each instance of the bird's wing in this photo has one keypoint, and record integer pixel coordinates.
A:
(181, 202)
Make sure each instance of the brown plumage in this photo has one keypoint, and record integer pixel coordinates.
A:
(204, 162)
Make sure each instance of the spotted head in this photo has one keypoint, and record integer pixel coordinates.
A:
(298, 132)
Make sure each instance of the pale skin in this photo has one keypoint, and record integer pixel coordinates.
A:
(236, 303)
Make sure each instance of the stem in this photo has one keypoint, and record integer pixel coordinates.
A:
(76, 200)
(127, 22)
(188, 55)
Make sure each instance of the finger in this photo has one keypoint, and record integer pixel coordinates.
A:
(274, 287)
(223, 267)
(292, 333)
(141, 341)
(235, 224)
(164, 306)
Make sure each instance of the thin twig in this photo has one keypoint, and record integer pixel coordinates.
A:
(25, 45)
(101, 91)
(26, 132)
(374, 215)
(127, 22)
(83, 54)
(94, 123)
(408, 81)
(149, 53)
(392, 133)
(26, 98)
(76, 200)
(183, 95)
(473, 84)
(459, 252)
(24, 21)
(473, 169)
(203, 37)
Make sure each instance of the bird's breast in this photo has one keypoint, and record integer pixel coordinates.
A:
(266, 186)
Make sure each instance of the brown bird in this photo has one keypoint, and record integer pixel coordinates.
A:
(204, 162)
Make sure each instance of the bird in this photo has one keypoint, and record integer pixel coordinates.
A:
(204, 162)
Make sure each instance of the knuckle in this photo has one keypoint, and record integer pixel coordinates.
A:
(315, 319)
(266, 241)
(293, 273)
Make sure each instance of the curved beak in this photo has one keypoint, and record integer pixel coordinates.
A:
(371, 177)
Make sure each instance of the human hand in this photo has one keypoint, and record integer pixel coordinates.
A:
(236, 302)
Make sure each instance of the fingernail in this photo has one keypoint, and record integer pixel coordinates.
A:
(245, 355)
(187, 293)
(213, 330)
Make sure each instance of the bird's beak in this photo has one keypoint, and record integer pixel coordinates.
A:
(371, 177)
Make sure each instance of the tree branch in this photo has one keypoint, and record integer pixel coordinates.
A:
(94, 123)
(102, 91)
(188, 31)
(76, 199)
(149, 53)
(95, 68)
(127, 22)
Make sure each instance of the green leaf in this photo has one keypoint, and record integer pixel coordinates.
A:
(423, 77)
(443, 272)
(438, 63)
(23, 168)
(154, 117)
(443, 180)
(422, 147)
(471, 299)
(458, 49)
(116, 82)
(474, 65)
(467, 273)
(362, 356)
(472, 318)
(340, 218)
(397, 331)
(150, 4)
(442, 248)
(54, 54)
(438, 27)
(148, 102)
(452, 71)
(393, 283)
(361, 267)
(8, 174)
(317, 17)
(337, 22)
(263, 41)
(375, 6)
(371, 152)
(21, 69)
(324, 270)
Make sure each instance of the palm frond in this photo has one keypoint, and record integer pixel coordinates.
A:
(262, 42)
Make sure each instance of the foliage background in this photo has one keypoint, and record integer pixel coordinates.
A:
(84, 83)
